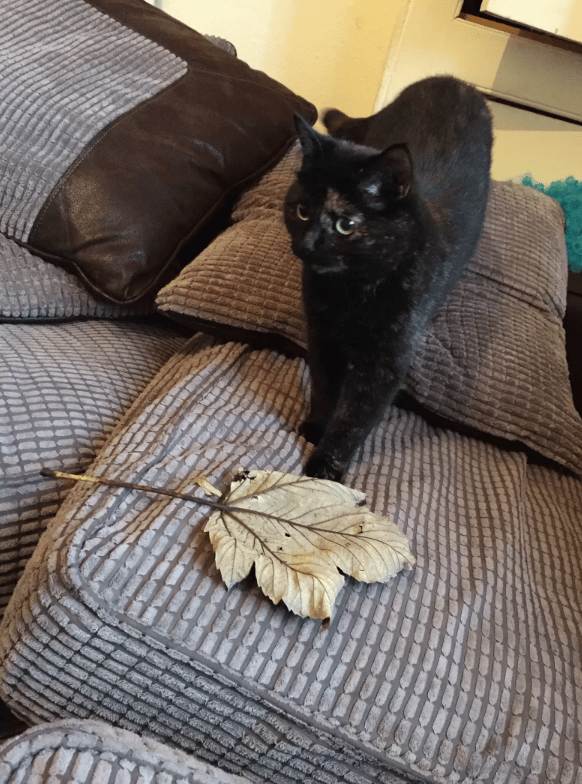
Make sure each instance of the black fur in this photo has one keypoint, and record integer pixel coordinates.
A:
(385, 218)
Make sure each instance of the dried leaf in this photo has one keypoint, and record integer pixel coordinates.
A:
(209, 489)
(301, 534)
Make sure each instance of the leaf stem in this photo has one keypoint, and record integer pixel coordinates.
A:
(227, 508)
(49, 472)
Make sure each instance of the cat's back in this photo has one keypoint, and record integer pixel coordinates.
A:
(446, 125)
(444, 121)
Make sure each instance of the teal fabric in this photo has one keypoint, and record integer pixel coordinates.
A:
(568, 193)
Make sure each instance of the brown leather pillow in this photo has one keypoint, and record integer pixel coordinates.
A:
(155, 128)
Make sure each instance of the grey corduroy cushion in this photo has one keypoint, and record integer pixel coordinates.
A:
(63, 387)
(464, 669)
(92, 752)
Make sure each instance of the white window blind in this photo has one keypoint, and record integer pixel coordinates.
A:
(557, 17)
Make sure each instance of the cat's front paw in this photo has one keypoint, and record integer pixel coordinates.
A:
(312, 430)
(322, 466)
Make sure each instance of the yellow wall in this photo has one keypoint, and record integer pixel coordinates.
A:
(336, 53)
(527, 143)
(331, 52)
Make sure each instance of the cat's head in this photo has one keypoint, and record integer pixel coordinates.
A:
(348, 201)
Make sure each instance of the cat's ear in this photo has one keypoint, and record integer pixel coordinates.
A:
(340, 126)
(396, 160)
(333, 120)
(309, 138)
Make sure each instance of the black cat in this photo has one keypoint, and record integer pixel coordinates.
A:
(385, 216)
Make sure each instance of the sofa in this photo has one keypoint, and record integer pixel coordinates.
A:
(153, 336)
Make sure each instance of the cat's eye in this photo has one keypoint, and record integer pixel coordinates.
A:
(301, 213)
(345, 225)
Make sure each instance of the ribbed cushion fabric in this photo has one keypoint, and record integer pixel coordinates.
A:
(465, 669)
(248, 281)
(34, 290)
(92, 752)
(493, 358)
(62, 389)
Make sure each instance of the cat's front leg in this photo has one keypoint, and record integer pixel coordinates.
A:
(332, 457)
(322, 465)
(370, 386)
(313, 428)
(321, 405)
(327, 369)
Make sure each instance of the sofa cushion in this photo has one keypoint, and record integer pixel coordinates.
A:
(97, 753)
(443, 674)
(62, 389)
(493, 359)
(124, 133)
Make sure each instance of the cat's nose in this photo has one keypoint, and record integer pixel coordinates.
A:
(310, 239)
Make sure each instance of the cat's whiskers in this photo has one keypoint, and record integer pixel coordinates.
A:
(324, 269)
